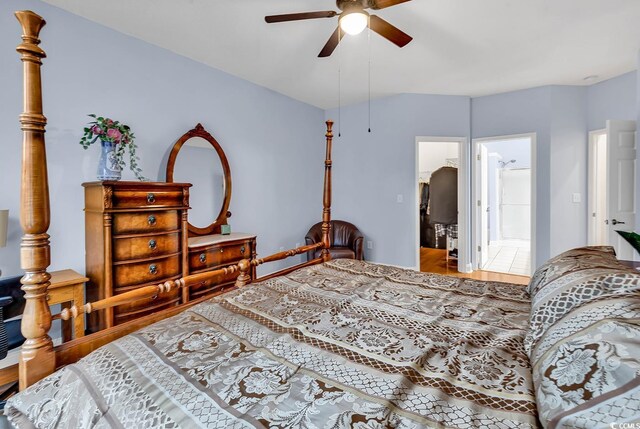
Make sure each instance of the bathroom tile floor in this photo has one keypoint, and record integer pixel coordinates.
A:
(509, 256)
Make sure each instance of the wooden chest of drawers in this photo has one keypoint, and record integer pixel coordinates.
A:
(136, 235)
(210, 252)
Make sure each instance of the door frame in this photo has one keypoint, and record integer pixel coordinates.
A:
(475, 193)
(464, 206)
(591, 183)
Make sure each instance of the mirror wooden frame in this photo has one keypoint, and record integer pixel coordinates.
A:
(199, 131)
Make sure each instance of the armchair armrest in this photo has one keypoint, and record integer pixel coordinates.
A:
(5, 300)
(311, 253)
(358, 245)
(313, 236)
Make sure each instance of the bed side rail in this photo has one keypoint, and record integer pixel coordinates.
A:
(152, 292)
(244, 277)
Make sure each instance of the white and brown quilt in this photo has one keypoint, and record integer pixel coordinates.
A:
(339, 345)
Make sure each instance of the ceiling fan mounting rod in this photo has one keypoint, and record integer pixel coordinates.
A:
(350, 5)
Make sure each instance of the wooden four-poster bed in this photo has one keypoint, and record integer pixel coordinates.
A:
(325, 343)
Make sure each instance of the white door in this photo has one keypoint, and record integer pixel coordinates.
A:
(483, 206)
(515, 204)
(621, 177)
(598, 230)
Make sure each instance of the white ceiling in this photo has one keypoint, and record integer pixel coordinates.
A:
(460, 47)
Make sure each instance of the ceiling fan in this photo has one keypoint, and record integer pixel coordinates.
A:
(352, 19)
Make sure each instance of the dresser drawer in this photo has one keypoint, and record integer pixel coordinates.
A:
(219, 282)
(210, 290)
(146, 246)
(145, 272)
(132, 223)
(140, 199)
(215, 255)
(126, 312)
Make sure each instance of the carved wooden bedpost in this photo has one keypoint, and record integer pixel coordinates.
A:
(37, 359)
(326, 200)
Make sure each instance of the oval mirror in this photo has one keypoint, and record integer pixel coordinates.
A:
(197, 158)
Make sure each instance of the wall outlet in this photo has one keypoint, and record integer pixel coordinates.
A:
(576, 197)
(297, 245)
(369, 244)
(400, 198)
(281, 249)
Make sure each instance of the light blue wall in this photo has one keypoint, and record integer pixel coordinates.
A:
(558, 116)
(612, 99)
(275, 145)
(370, 170)
(519, 112)
(568, 168)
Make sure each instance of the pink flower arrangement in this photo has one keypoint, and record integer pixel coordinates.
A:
(114, 134)
(110, 131)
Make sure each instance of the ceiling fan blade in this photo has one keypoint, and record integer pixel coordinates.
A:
(299, 16)
(381, 4)
(389, 32)
(332, 43)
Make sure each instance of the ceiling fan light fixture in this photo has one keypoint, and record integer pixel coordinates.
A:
(354, 23)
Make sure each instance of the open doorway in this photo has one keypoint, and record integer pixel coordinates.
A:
(440, 204)
(597, 199)
(612, 186)
(504, 189)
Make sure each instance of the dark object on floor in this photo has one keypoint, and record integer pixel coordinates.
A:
(12, 302)
(346, 240)
(11, 306)
(453, 253)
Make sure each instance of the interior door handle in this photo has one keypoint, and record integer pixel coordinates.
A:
(616, 222)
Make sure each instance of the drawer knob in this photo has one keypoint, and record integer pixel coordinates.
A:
(153, 269)
(152, 244)
(242, 249)
(203, 258)
(152, 220)
(151, 198)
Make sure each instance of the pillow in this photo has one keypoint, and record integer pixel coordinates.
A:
(572, 261)
(584, 339)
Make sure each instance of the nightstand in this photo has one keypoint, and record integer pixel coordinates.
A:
(67, 288)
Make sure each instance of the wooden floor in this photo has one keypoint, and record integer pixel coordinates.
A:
(434, 261)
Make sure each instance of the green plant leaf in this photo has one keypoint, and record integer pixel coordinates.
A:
(632, 238)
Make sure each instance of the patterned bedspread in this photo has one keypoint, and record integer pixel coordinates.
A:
(343, 344)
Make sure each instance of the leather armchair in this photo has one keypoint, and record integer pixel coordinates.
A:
(346, 240)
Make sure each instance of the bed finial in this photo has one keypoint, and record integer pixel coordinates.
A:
(37, 359)
(326, 200)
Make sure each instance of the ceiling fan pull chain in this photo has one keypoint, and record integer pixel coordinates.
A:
(339, 83)
(369, 42)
